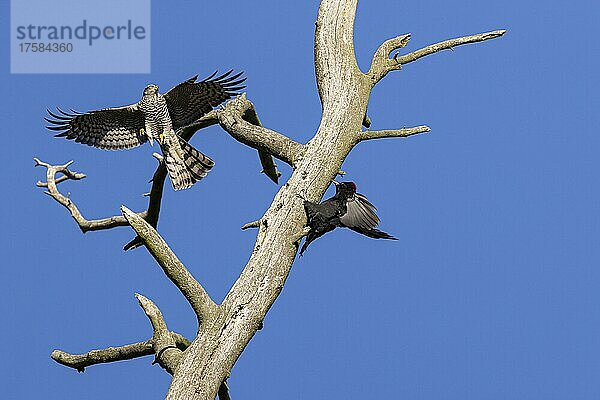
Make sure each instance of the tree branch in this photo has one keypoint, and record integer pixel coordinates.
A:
(404, 132)
(168, 348)
(382, 55)
(154, 204)
(266, 159)
(238, 117)
(113, 354)
(51, 181)
(253, 224)
(382, 64)
(167, 354)
(212, 118)
(193, 291)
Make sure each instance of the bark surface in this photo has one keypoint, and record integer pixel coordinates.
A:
(201, 367)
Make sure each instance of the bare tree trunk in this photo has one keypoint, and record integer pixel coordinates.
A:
(344, 93)
(200, 368)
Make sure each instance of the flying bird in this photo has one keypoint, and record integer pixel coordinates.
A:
(154, 117)
(345, 209)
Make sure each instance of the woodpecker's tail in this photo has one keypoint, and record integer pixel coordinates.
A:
(185, 164)
(374, 233)
(309, 238)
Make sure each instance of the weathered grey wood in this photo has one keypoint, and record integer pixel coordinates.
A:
(161, 341)
(191, 289)
(344, 92)
(200, 372)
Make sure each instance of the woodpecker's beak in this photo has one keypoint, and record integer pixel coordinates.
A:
(336, 183)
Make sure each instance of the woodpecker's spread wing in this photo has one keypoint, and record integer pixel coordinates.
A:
(110, 128)
(360, 217)
(360, 213)
(190, 100)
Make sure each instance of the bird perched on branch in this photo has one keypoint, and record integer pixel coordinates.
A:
(154, 117)
(345, 209)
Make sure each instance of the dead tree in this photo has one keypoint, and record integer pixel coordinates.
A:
(201, 367)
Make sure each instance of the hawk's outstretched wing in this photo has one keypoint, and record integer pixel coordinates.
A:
(110, 128)
(360, 217)
(190, 100)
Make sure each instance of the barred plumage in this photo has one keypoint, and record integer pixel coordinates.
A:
(154, 117)
(110, 128)
(190, 99)
(185, 164)
(196, 162)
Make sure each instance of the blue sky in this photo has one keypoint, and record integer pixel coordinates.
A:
(491, 291)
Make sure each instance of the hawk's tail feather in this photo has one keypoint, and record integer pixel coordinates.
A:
(184, 163)
(196, 162)
(181, 178)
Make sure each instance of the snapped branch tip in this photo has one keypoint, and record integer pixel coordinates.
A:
(127, 213)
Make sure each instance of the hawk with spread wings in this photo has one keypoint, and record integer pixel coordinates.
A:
(154, 117)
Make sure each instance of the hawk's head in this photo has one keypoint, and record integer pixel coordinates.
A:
(150, 89)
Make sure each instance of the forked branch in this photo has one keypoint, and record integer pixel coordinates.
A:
(161, 341)
(382, 55)
(382, 63)
(112, 354)
(212, 118)
(51, 184)
(192, 290)
(166, 346)
(238, 118)
(166, 352)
